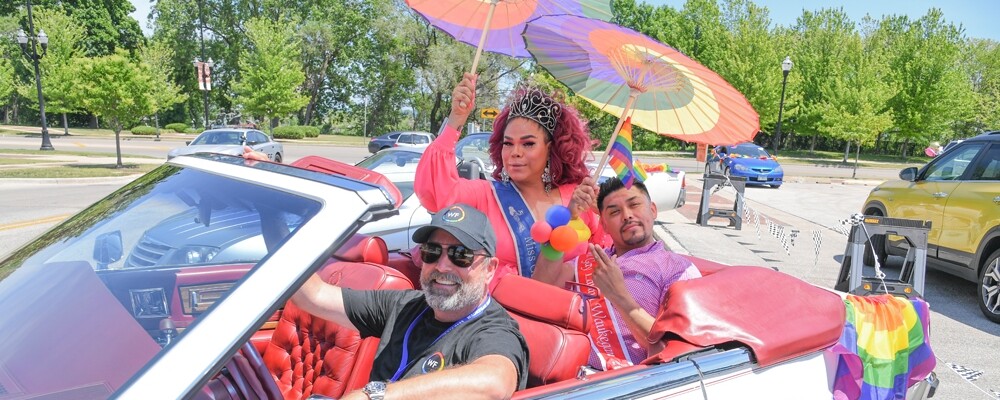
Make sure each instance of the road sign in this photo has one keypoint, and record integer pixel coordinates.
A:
(489, 113)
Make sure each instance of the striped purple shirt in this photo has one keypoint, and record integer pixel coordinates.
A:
(648, 272)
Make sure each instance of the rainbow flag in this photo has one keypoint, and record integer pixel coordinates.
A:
(884, 349)
(621, 157)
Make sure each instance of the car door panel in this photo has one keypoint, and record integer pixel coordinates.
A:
(925, 201)
(972, 210)
(927, 197)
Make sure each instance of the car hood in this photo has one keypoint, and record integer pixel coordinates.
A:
(232, 149)
(755, 162)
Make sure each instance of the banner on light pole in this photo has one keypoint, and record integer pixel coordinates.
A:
(204, 72)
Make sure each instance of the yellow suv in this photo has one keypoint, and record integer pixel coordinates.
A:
(959, 192)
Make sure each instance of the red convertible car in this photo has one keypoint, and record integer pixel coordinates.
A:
(78, 323)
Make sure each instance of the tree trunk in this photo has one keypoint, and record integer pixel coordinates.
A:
(812, 144)
(156, 121)
(847, 152)
(906, 144)
(857, 154)
(6, 120)
(313, 98)
(93, 122)
(118, 142)
(65, 126)
(273, 121)
(435, 121)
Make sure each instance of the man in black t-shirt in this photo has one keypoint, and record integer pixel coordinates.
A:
(452, 327)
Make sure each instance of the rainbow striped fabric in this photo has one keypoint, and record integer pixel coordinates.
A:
(621, 157)
(885, 347)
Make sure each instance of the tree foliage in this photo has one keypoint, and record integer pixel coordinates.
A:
(116, 89)
(271, 72)
(156, 60)
(56, 66)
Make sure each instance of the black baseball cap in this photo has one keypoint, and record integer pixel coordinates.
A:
(467, 224)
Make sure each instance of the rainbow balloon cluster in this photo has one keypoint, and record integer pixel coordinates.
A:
(558, 233)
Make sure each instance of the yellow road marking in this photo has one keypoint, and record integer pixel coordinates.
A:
(78, 144)
(25, 224)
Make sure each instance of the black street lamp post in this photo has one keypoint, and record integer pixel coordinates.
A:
(786, 67)
(43, 40)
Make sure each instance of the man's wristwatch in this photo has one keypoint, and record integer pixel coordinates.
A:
(375, 390)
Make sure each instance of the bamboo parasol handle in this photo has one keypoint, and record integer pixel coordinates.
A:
(482, 37)
(614, 135)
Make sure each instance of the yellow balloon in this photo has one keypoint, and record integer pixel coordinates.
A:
(582, 231)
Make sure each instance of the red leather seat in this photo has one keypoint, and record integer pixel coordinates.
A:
(553, 322)
(309, 355)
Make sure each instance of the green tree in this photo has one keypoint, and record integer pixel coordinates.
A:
(271, 71)
(56, 67)
(107, 23)
(981, 61)
(752, 63)
(6, 80)
(820, 62)
(855, 110)
(116, 89)
(156, 59)
(924, 64)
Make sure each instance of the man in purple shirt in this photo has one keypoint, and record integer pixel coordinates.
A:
(632, 275)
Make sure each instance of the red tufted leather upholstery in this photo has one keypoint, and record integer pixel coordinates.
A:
(361, 248)
(309, 355)
(553, 323)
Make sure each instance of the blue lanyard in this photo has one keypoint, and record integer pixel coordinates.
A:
(406, 338)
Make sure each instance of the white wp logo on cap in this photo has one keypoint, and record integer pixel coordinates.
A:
(454, 214)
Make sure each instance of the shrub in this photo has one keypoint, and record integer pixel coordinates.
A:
(143, 130)
(177, 127)
(288, 132)
(310, 131)
(193, 130)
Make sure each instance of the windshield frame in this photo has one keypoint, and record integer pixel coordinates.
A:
(211, 340)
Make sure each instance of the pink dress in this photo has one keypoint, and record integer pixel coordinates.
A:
(438, 185)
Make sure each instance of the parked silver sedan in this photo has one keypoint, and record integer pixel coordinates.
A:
(231, 141)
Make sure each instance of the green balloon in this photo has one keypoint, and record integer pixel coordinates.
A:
(549, 253)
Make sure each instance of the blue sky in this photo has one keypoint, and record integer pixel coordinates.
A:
(978, 17)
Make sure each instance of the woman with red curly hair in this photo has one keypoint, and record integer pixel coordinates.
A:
(539, 146)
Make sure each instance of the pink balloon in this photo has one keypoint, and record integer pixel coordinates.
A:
(541, 231)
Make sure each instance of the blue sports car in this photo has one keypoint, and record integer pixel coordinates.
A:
(746, 160)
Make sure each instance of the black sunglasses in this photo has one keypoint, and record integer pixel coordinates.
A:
(458, 254)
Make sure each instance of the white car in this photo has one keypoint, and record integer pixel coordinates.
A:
(78, 324)
(230, 141)
(414, 139)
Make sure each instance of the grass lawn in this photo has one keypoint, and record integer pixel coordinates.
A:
(341, 140)
(78, 171)
(5, 160)
(65, 153)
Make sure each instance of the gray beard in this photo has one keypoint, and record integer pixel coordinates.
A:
(469, 294)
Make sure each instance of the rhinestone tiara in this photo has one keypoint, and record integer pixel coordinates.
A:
(531, 103)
